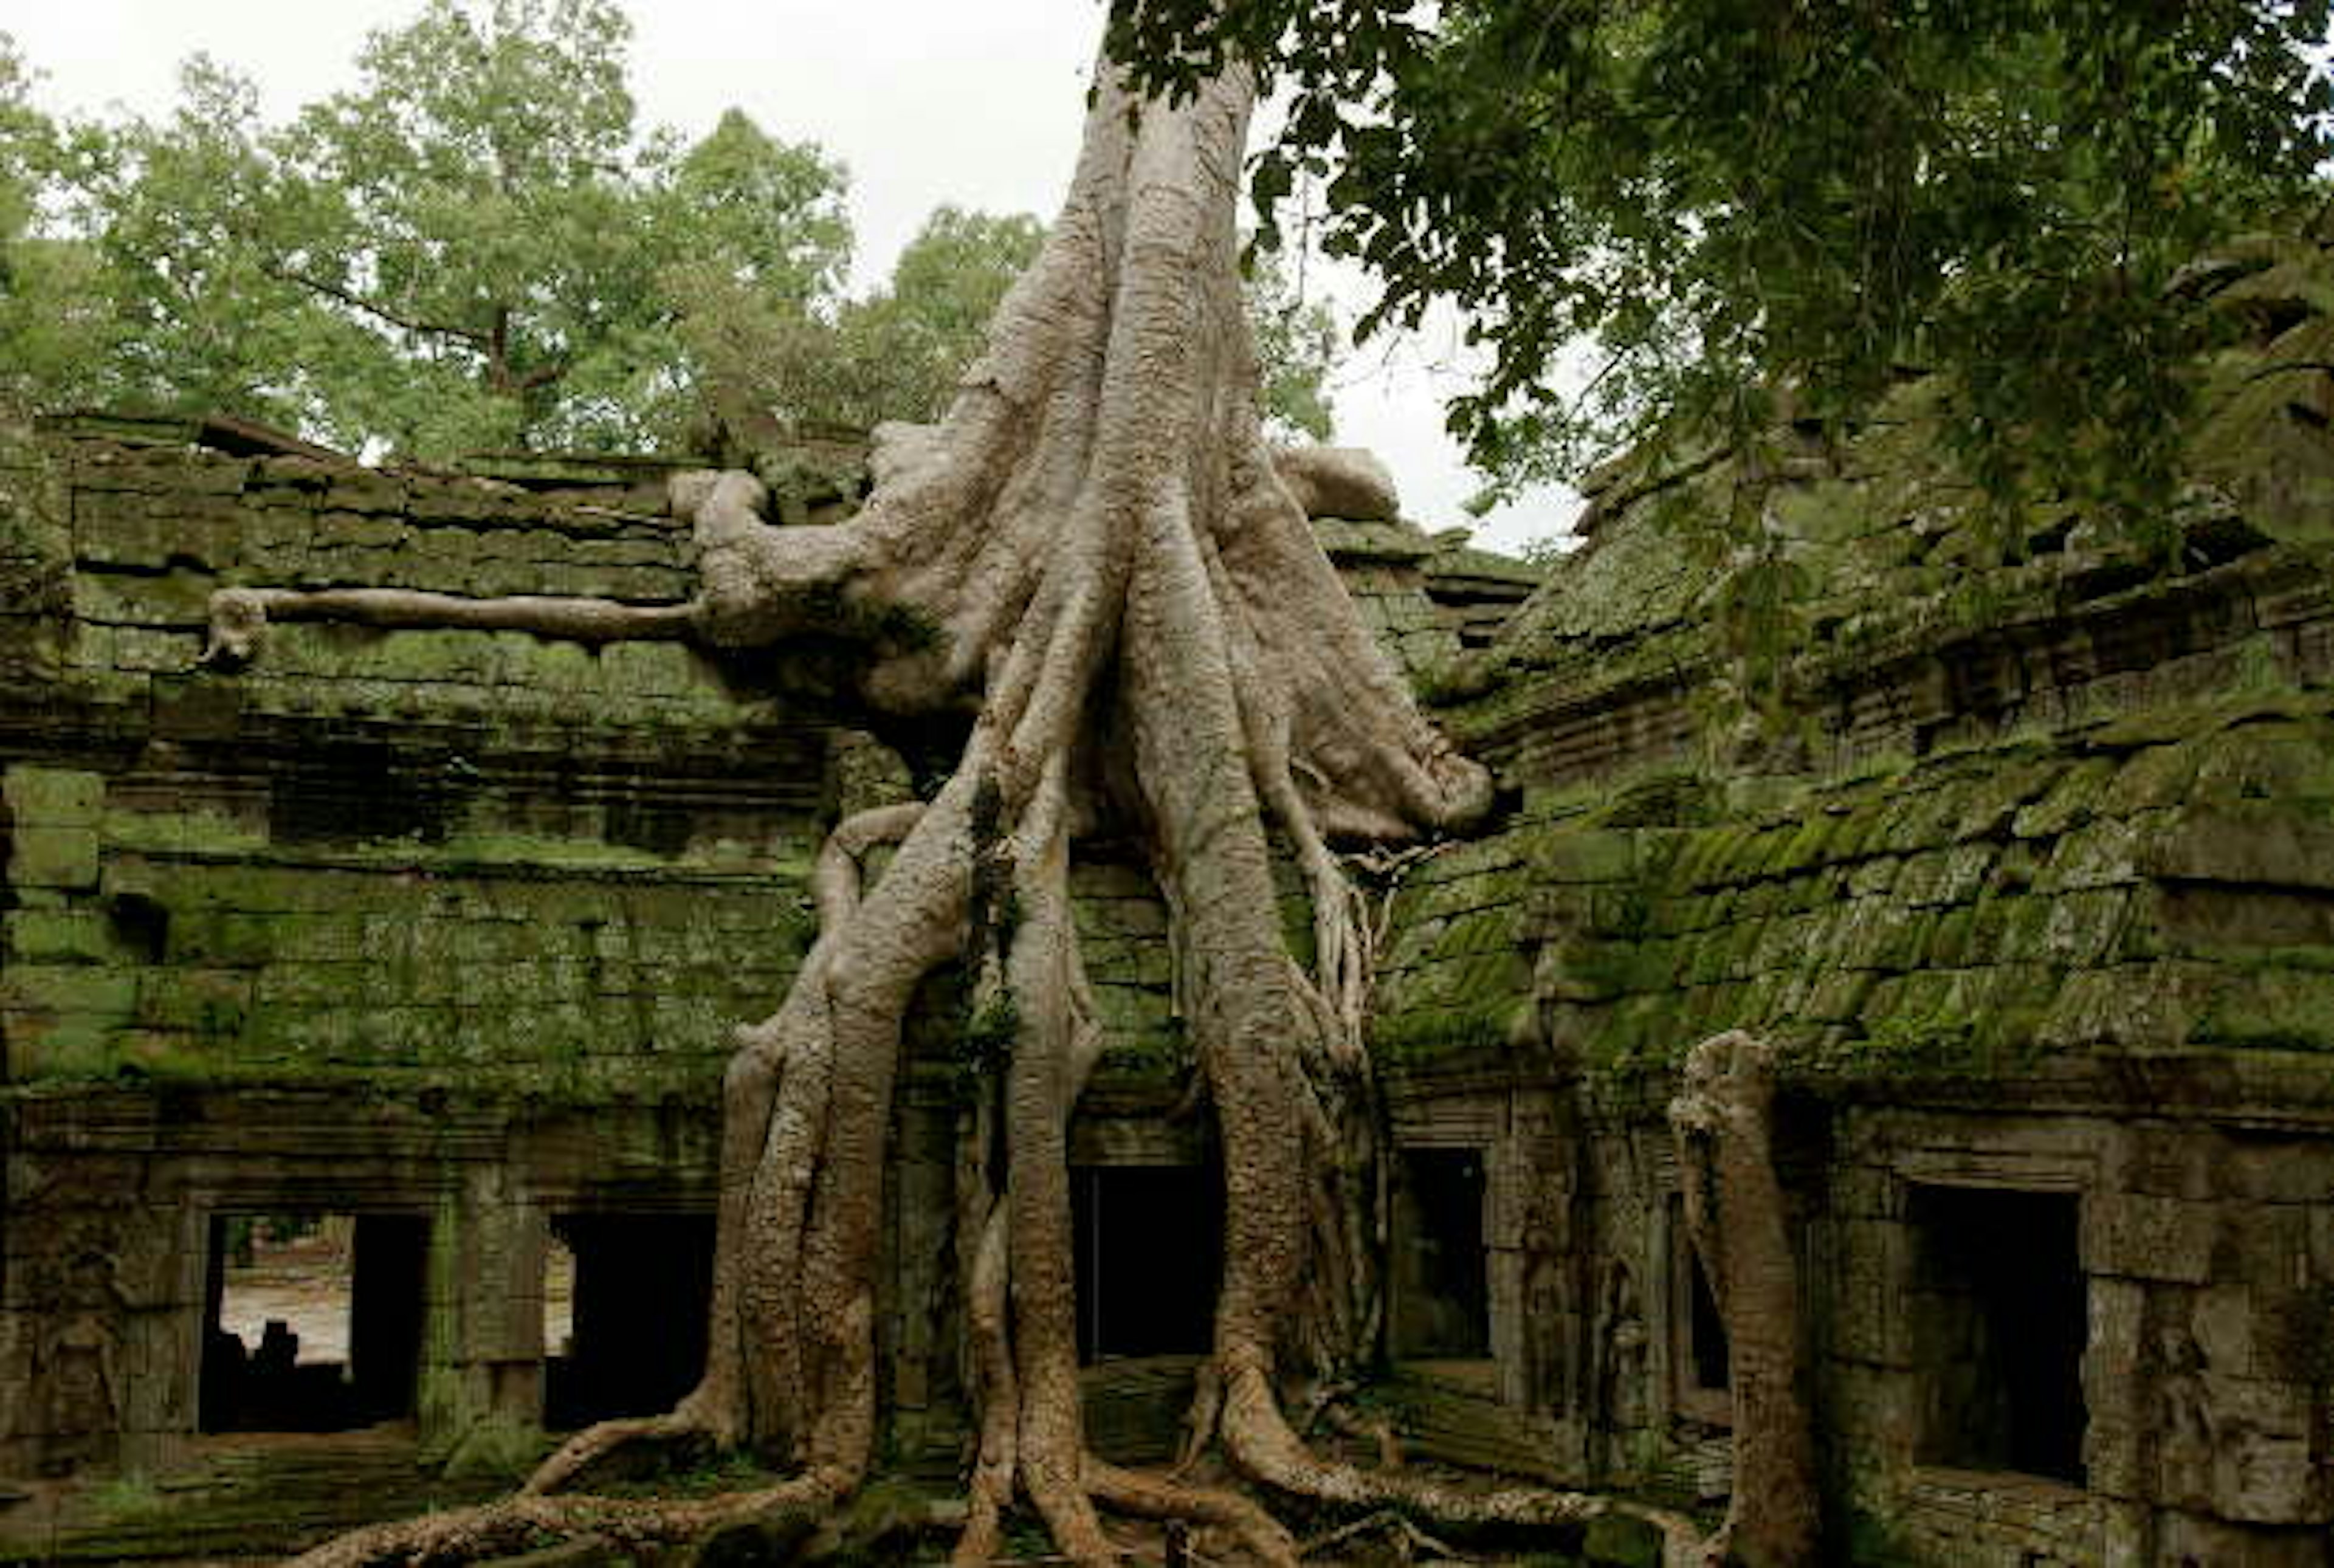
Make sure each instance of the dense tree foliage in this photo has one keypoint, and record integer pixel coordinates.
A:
(898, 353)
(1693, 209)
(895, 354)
(477, 246)
(49, 327)
(474, 247)
(1297, 345)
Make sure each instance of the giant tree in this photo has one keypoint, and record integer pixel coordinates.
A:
(1092, 562)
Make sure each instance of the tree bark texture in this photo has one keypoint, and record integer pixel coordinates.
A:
(1095, 562)
(1724, 1120)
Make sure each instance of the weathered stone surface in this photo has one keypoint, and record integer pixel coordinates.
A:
(2022, 873)
(2152, 1238)
(2035, 842)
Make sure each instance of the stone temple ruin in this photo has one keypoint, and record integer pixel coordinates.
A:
(2029, 869)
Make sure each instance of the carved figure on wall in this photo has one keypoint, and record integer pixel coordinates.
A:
(1621, 1332)
(2187, 1436)
(1546, 1342)
(1551, 1312)
(77, 1365)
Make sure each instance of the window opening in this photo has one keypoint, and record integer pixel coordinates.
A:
(1149, 1247)
(312, 1321)
(1442, 1278)
(1999, 1316)
(139, 924)
(632, 1339)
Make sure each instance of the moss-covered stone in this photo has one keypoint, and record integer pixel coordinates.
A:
(47, 857)
(2272, 1007)
(47, 797)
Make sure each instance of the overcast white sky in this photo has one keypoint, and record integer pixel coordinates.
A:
(971, 101)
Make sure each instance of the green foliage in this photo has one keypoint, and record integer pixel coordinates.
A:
(175, 215)
(49, 333)
(945, 287)
(480, 224)
(986, 1049)
(477, 248)
(897, 355)
(900, 352)
(1297, 346)
(1546, 550)
(1726, 198)
(473, 248)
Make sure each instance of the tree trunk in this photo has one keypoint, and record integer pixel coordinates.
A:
(1724, 1120)
(1093, 558)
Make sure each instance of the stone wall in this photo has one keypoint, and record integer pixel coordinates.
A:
(2016, 843)
(2090, 964)
(2012, 832)
(446, 927)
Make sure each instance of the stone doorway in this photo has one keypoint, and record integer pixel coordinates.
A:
(312, 1322)
(635, 1340)
(2000, 1317)
(1148, 1251)
(1700, 1360)
(1442, 1296)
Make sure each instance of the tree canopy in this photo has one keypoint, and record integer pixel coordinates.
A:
(473, 247)
(1659, 213)
(49, 330)
(479, 246)
(894, 354)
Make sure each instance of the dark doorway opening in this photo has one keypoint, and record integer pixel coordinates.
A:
(1441, 1280)
(1712, 1368)
(643, 1287)
(1148, 1252)
(1999, 1316)
(312, 1321)
(1702, 1367)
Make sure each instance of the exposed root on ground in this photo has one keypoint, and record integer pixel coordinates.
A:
(517, 1524)
(1388, 1522)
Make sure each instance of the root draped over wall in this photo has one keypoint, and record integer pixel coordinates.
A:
(1723, 1120)
(1095, 562)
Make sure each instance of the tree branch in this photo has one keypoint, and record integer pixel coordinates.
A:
(374, 308)
(495, 345)
(541, 376)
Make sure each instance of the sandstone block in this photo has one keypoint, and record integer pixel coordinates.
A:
(2153, 1238)
(54, 797)
(53, 858)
